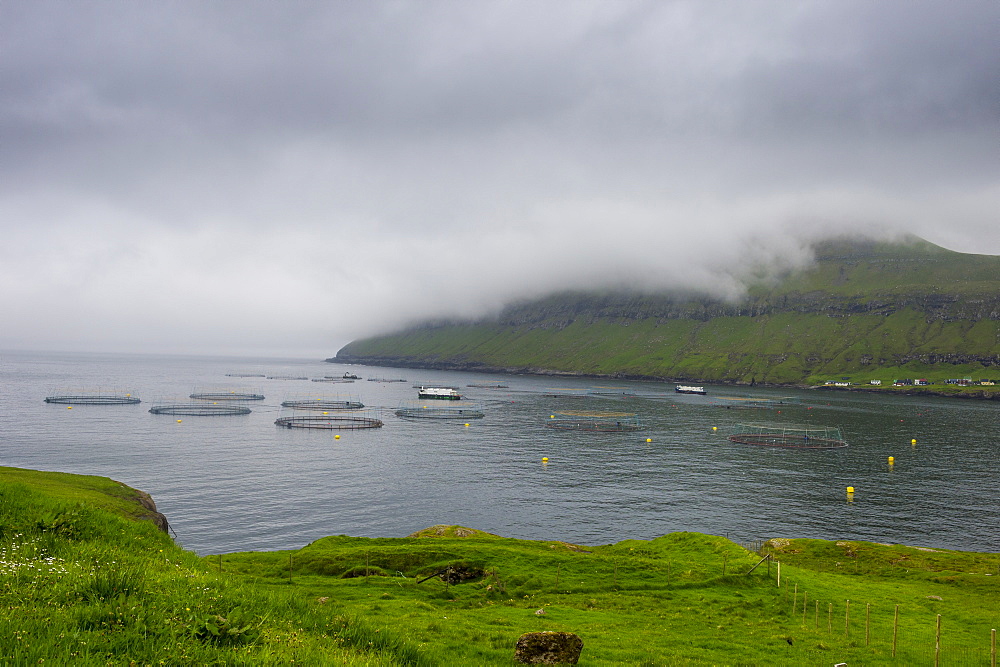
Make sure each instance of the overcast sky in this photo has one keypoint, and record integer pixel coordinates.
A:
(283, 177)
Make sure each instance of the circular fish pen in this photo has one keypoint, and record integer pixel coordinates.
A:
(322, 405)
(450, 410)
(226, 396)
(200, 410)
(335, 422)
(94, 399)
(755, 402)
(605, 422)
(792, 436)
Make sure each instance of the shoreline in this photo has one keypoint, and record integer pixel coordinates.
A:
(969, 393)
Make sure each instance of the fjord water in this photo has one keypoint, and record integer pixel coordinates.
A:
(241, 483)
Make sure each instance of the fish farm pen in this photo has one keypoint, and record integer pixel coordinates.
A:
(793, 436)
(755, 402)
(94, 399)
(450, 410)
(200, 410)
(329, 422)
(610, 391)
(322, 404)
(609, 422)
(560, 392)
(226, 396)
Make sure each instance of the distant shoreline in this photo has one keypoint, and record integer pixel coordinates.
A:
(971, 392)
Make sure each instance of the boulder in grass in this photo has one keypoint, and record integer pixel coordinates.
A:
(548, 648)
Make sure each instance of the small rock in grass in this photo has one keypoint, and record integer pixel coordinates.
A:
(548, 648)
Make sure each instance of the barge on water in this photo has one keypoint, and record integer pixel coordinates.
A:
(439, 393)
(689, 389)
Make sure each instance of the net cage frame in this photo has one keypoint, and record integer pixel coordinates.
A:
(94, 399)
(789, 436)
(603, 422)
(329, 422)
(322, 404)
(444, 410)
(200, 410)
(226, 396)
(609, 390)
(489, 384)
(755, 402)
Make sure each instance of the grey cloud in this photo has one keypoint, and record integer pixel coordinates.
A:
(337, 159)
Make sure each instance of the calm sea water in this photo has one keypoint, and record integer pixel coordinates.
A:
(241, 483)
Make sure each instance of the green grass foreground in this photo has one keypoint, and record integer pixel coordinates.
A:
(84, 579)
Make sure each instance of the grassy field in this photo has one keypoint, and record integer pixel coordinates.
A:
(83, 580)
(875, 311)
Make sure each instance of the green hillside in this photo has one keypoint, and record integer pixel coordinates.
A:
(863, 310)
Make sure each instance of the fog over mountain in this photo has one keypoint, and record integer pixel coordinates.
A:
(280, 178)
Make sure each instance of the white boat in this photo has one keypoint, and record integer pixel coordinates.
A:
(442, 393)
(689, 389)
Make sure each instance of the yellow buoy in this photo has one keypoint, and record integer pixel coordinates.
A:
(913, 442)
(715, 428)
(552, 416)
(336, 437)
(466, 424)
(178, 421)
(545, 459)
(649, 440)
(850, 489)
(892, 459)
(69, 407)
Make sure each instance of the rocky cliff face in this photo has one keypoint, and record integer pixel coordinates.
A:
(151, 513)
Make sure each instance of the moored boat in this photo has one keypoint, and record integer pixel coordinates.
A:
(689, 389)
(441, 393)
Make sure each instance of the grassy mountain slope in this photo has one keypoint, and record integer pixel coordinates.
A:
(908, 309)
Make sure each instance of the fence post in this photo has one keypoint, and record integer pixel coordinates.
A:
(847, 620)
(937, 642)
(868, 617)
(779, 574)
(805, 596)
(289, 568)
(795, 598)
(993, 647)
(817, 615)
(829, 619)
(895, 630)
